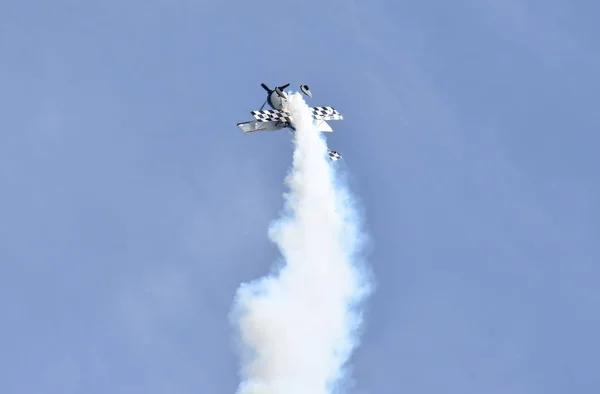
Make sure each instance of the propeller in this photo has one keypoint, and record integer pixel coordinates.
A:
(278, 89)
(280, 92)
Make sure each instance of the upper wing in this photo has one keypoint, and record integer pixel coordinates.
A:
(326, 113)
(255, 125)
(269, 115)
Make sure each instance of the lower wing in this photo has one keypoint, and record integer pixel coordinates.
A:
(254, 126)
(323, 126)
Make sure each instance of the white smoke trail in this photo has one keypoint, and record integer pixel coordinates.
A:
(298, 326)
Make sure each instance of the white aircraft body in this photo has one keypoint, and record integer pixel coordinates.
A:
(278, 117)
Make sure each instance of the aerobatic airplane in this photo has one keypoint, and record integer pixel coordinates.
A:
(278, 117)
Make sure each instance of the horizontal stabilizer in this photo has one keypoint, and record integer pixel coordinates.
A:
(333, 155)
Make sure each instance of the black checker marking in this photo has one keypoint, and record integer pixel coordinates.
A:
(333, 155)
(326, 113)
(269, 115)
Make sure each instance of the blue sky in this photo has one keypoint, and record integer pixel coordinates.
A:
(132, 206)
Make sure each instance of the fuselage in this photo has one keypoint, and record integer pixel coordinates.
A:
(275, 100)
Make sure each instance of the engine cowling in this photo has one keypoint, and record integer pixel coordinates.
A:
(280, 93)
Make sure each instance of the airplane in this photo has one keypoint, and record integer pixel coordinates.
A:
(278, 117)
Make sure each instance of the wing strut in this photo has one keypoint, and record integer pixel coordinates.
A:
(262, 106)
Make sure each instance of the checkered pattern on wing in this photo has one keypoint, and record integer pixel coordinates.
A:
(326, 113)
(333, 155)
(269, 115)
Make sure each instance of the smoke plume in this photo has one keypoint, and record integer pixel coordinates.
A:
(299, 325)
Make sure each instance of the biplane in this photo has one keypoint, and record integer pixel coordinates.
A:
(278, 117)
